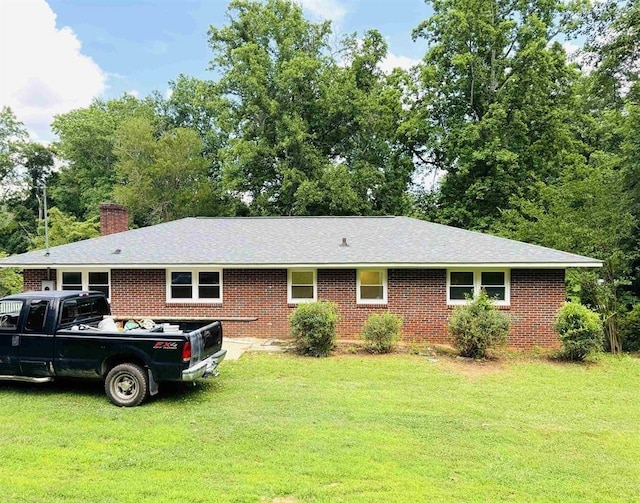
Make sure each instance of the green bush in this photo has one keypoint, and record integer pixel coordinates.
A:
(478, 326)
(381, 332)
(313, 327)
(630, 329)
(580, 331)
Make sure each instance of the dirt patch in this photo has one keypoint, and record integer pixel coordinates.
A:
(444, 356)
(472, 368)
(447, 358)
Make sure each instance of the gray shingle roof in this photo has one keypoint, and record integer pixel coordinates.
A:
(298, 241)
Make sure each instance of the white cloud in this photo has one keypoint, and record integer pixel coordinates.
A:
(43, 69)
(393, 61)
(334, 10)
(571, 49)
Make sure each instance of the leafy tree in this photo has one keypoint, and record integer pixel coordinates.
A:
(38, 163)
(366, 114)
(587, 210)
(24, 199)
(10, 280)
(162, 178)
(65, 229)
(630, 155)
(272, 61)
(494, 108)
(12, 134)
(612, 30)
(304, 134)
(193, 104)
(86, 141)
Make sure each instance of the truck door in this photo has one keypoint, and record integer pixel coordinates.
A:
(10, 311)
(36, 345)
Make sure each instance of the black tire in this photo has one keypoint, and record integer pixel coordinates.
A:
(127, 385)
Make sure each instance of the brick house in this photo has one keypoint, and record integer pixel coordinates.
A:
(252, 272)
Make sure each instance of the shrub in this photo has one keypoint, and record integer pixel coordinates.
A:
(478, 326)
(381, 331)
(313, 327)
(580, 331)
(630, 329)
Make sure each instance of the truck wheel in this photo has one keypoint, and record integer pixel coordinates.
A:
(126, 385)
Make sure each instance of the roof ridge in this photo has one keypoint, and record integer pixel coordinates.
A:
(297, 217)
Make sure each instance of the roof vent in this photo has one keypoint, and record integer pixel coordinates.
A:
(344, 242)
(117, 251)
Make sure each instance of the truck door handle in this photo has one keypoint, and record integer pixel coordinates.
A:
(15, 340)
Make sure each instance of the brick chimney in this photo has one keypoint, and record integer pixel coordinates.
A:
(113, 218)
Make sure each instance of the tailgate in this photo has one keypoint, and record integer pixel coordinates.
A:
(205, 341)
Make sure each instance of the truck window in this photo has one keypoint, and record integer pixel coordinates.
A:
(9, 314)
(83, 310)
(37, 315)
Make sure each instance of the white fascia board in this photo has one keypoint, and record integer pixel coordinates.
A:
(440, 265)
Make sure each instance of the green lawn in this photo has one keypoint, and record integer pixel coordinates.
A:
(281, 428)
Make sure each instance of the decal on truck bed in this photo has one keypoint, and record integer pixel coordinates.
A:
(165, 345)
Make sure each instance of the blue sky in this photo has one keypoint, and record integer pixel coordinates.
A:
(58, 55)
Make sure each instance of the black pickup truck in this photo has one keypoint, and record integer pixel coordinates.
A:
(51, 334)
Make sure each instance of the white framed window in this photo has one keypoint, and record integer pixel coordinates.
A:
(371, 286)
(464, 284)
(194, 285)
(302, 285)
(69, 279)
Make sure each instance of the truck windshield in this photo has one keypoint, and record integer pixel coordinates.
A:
(9, 314)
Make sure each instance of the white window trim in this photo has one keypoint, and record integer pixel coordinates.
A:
(385, 286)
(194, 285)
(290, 299)
(85, 277)
(477, 284)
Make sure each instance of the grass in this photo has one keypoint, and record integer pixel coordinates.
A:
(287, 429)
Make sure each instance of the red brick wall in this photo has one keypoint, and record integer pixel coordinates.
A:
(33, 278)
(256, 293)
(536, 296)
(418, 295)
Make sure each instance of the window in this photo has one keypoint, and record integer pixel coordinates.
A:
(181, 285)
(209, 285)
(85, 280)
(9, 314)
(72, 281)
(99, 281)
(83, 310)
(461, 285)
(37, 315)
(464, 284)
(494, 284)
(302, 285)
(194, 286)
(372, 286)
